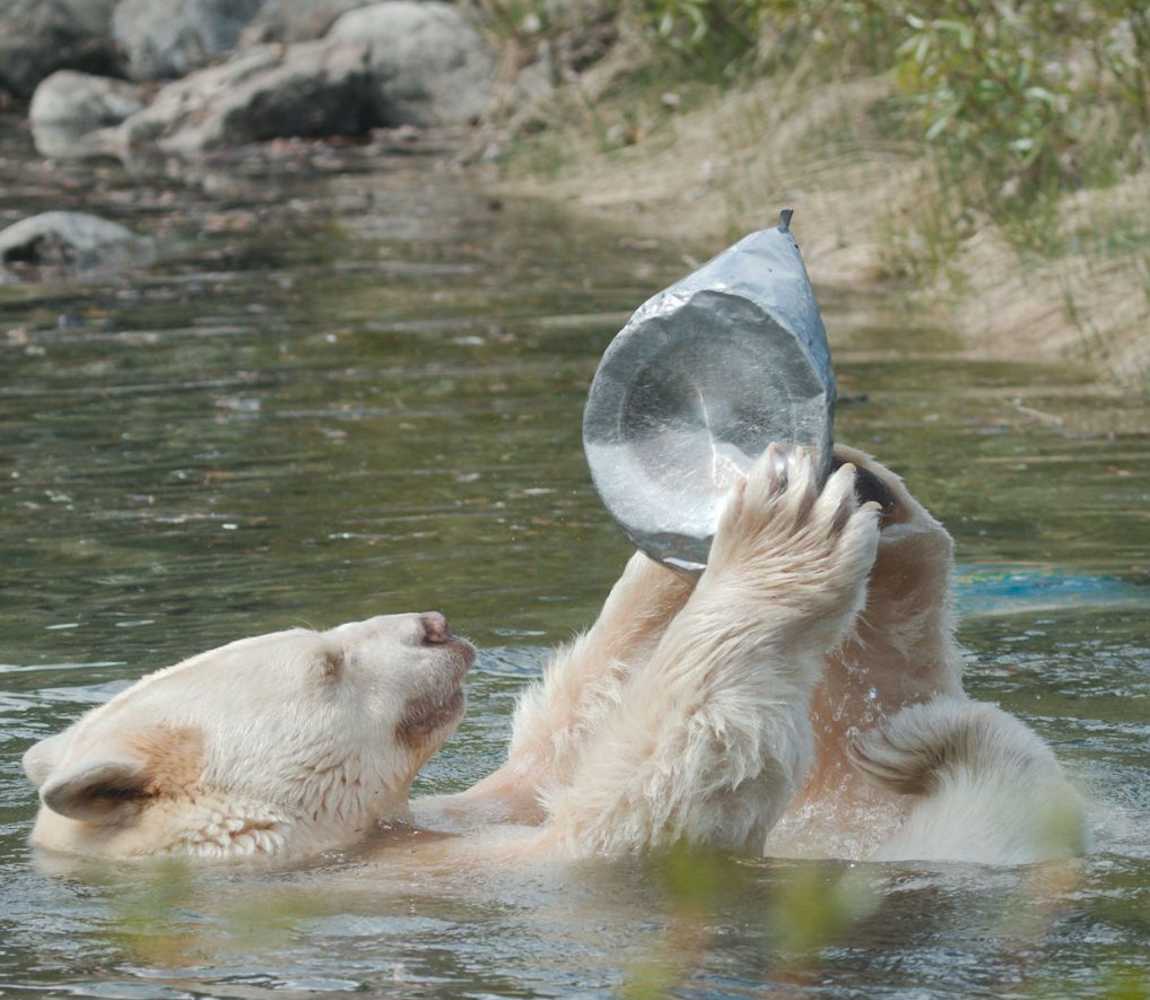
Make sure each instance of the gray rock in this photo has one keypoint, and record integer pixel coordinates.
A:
(38, 37)
(72, 238)
(68, 107)
(274, 91)
(429, 63)
(68, 141)
(169, 38)
(84, 99)
(296, 20)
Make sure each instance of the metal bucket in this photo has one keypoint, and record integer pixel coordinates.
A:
(702, 378)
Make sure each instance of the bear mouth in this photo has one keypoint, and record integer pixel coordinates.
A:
(440, 706)
(426, 716)
(462, 655)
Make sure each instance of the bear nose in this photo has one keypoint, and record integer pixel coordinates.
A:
(435, 628)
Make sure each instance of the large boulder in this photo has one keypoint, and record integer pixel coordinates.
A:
(68, 107)
(38, 37)
(429, 63)
(296, 20)
(170, 38)
(74, 239)
(273, 91)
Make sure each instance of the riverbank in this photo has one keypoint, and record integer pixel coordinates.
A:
(991, 172)
(701, 165)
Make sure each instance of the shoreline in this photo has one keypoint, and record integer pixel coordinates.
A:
(696, 177)
(598, 112)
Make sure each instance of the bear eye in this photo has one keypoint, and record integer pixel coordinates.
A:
(331, 664)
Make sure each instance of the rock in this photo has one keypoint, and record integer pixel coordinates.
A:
(273, 91)
(67, 141)
(170, 38)
(429, 63)
(296, 20)
(38, 37)
(72, 238)
(69, 106)
(84, 99)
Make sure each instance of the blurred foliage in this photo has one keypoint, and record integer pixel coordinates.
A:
(1019, 100)
(706, 33)
(810, 906)
(816, 904)
(165, 917)
(694, 881)
(1126, 984)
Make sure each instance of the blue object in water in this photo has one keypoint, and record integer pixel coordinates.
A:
(1005, 590)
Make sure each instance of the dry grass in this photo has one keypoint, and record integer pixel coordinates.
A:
(870, 211)
(1089, 304)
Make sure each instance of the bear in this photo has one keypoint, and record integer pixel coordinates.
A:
(802, 697)
(902, 765)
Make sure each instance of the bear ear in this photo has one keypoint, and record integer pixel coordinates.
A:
(96, 789)
(40, 759)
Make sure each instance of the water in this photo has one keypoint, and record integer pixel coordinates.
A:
(353, 384)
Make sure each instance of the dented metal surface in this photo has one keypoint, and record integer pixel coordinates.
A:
(702, 378)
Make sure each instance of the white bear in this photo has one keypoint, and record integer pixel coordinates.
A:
(755, 710)
(292, 742)
(904, 766)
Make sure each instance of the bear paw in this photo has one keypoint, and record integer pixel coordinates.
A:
(783, 544)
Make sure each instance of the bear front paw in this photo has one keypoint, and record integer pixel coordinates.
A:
(783, 541)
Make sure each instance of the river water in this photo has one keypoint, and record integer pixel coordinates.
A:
(352, 384)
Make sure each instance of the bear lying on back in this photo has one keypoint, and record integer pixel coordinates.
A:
(802, 697)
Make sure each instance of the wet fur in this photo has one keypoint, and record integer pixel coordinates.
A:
(882, 757)
(802, 697)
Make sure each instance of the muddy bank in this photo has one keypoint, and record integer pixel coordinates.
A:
(701, 169)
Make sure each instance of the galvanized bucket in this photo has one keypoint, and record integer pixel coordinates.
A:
(702, 378)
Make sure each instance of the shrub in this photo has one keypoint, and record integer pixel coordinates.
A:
(1019, 99)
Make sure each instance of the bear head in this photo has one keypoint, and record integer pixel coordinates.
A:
(293, 742)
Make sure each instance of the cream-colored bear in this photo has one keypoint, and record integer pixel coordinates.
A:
(756, 709)
(286, 743)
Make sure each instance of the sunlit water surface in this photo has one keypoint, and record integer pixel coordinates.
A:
(353, 384)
